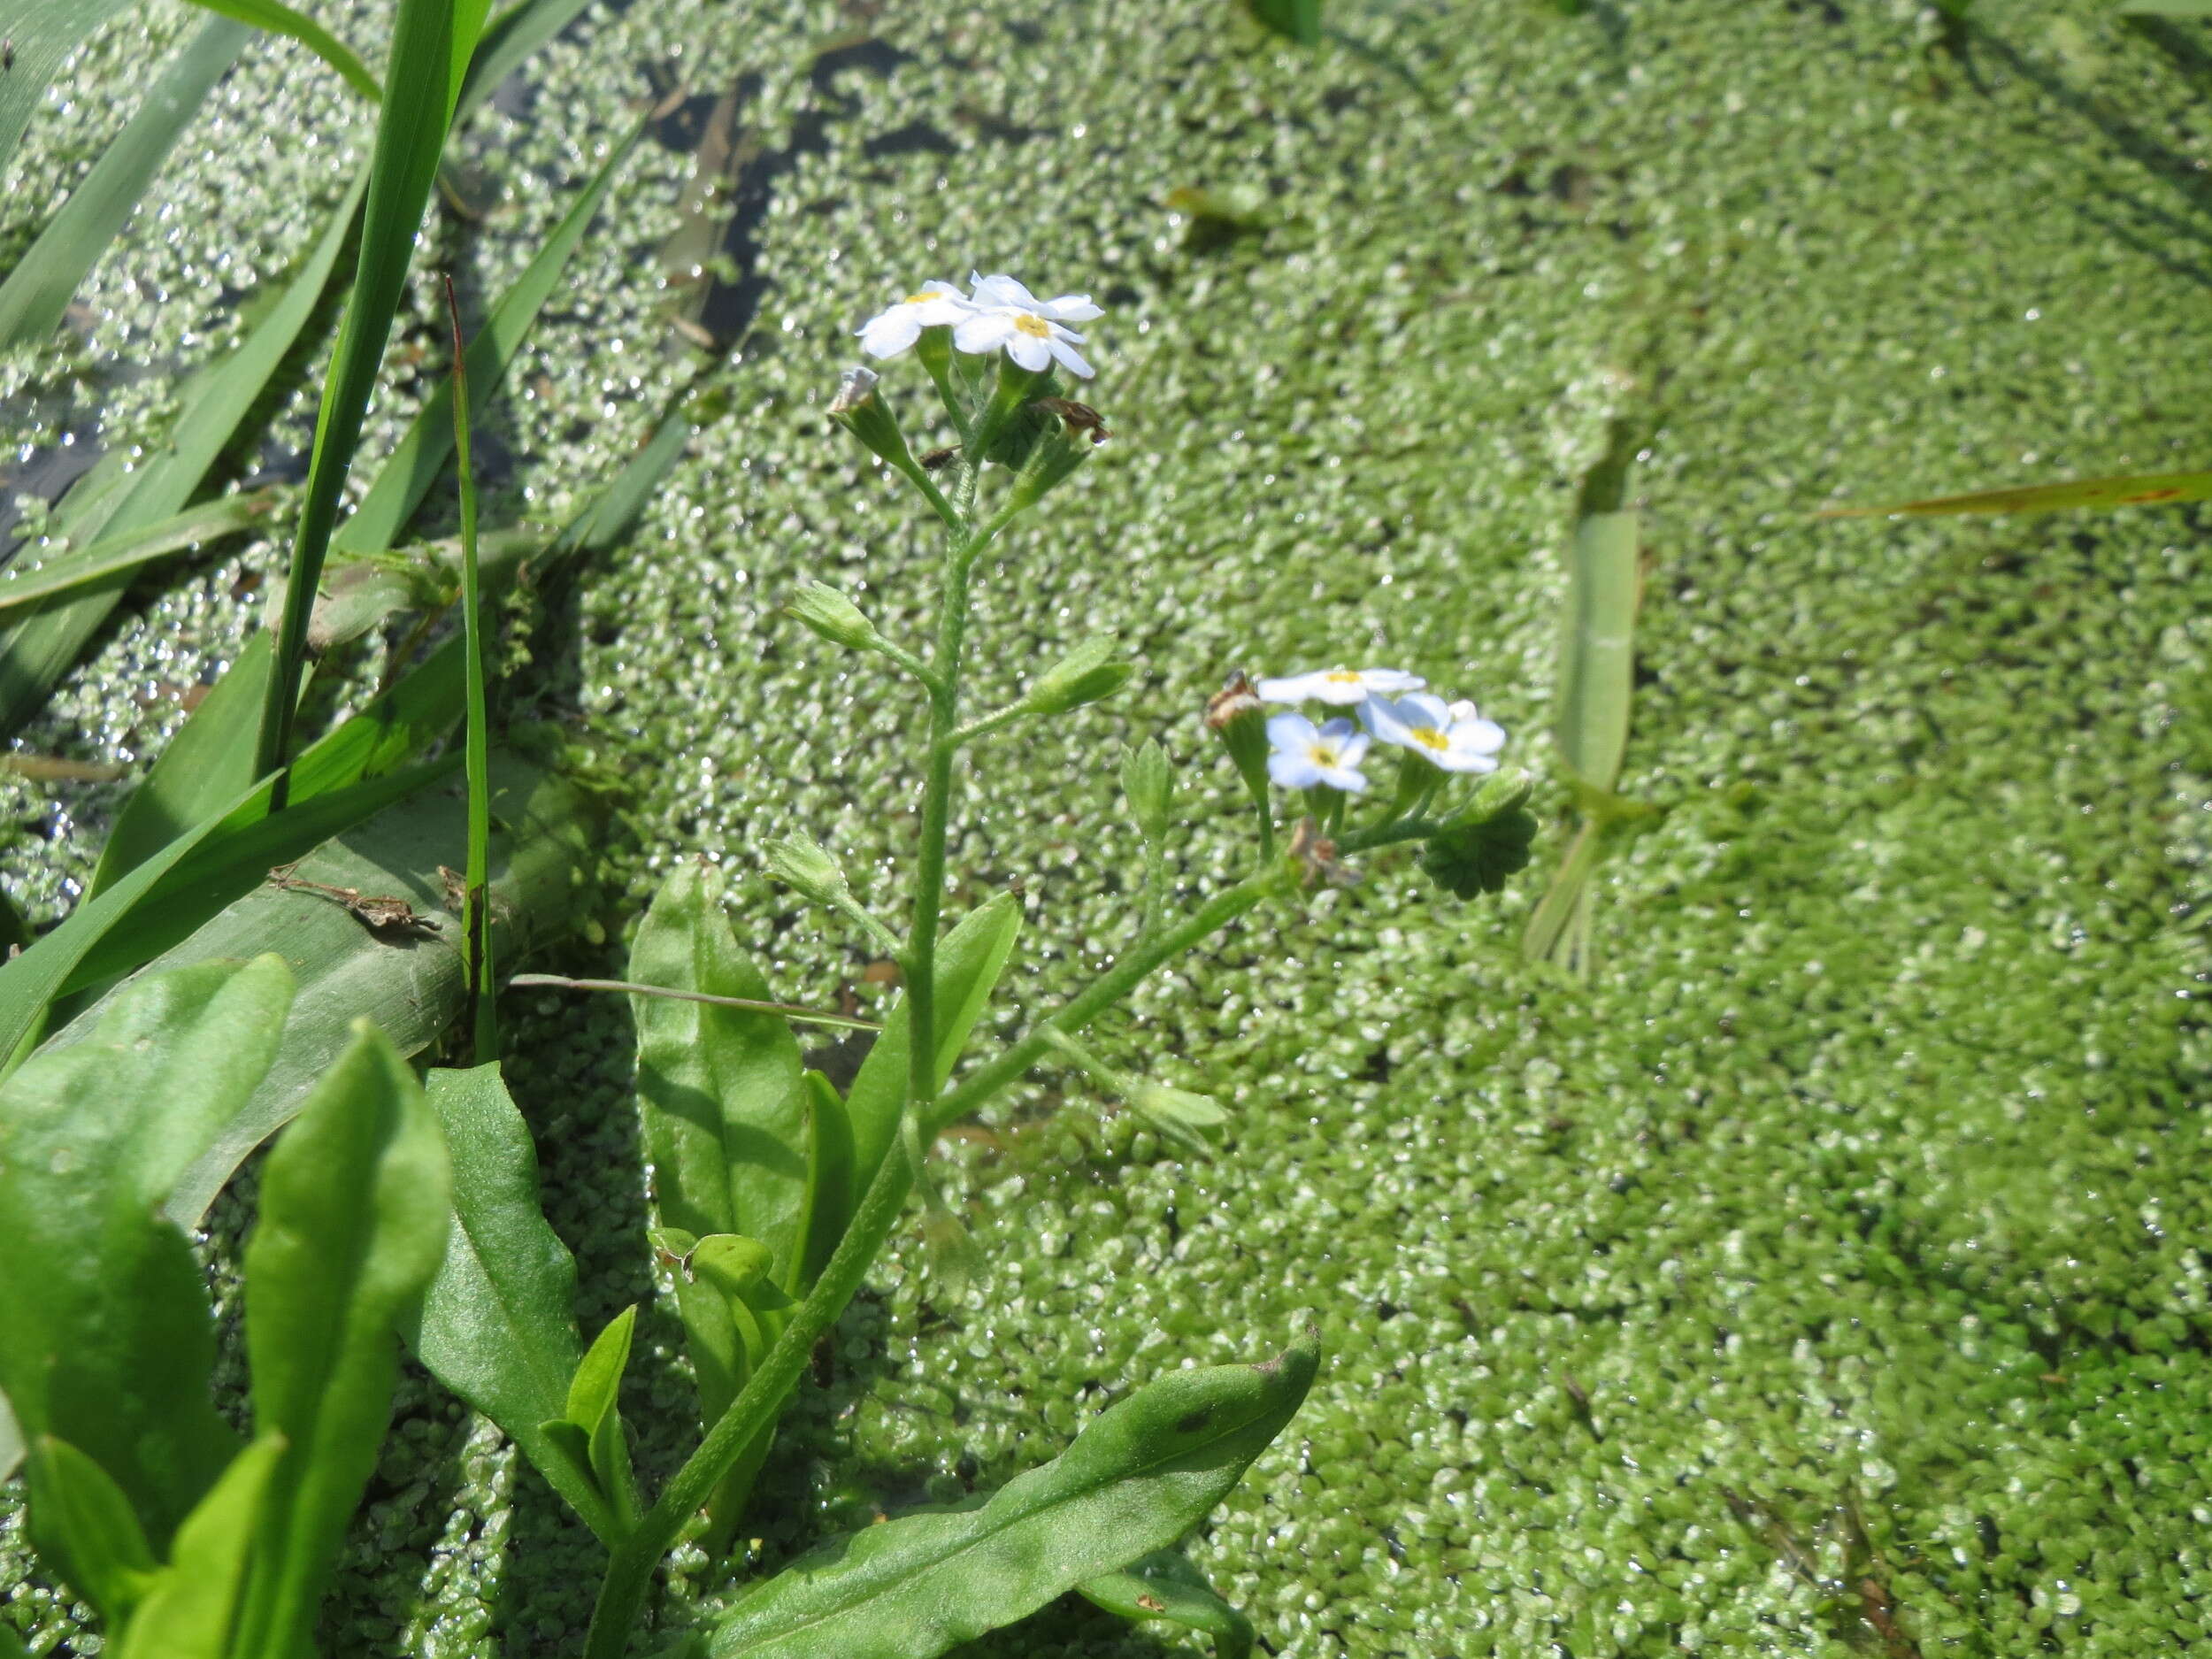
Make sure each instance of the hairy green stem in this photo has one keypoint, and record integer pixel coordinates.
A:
(630, 1570)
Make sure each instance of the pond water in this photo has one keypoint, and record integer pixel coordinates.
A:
(1824, 1273)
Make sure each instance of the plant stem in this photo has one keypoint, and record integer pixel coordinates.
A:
(476, 922)
(754, 1409)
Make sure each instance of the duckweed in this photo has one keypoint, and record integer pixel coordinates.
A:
(1823, 1275)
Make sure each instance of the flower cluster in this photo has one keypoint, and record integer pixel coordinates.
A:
(996, 312)
(1393, 707)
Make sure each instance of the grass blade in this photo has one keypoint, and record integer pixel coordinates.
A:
(413, 467)
(29, 983)
(125, 493)
(2149, 489)
(476, 935)
(279, 19)
(38, 290)
(509, 39)
(431, 42)
(43, 33)
(195, 527)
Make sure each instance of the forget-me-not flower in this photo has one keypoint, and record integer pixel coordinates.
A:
(1454, 736)
(894, 330)
(1341, 686)
(1003, 312)
(1306, 755)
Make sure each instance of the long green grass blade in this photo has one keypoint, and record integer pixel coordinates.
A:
(278, 18)
(41, 34)
(509, 39)
(38, 290)
(476, 934)
(414, 465)
(2148, 489)
(1597, 667)
(29, 983)
(126, 492)
(431, 43)
(195, 527)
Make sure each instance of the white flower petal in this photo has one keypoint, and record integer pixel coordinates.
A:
(1292, 731)
(1001, 290)
(1028, 350)
(983, 331)
(1293, 769)
(1070, 307)
(1344, 778)
(1069, 358)
(890, 333)
(1482, 737)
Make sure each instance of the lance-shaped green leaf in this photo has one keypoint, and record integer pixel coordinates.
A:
(2150, 489)
(1134, 1481)
(829, 1174)
(970, 959)
(279, 19)
(355, 1200)
(86, 1529)
(27, 582)
(1166, 1585)
(109, 1342)
(38, 290)
(29, 982)
(498, 1323)
(192, 1604)
(588, 1433)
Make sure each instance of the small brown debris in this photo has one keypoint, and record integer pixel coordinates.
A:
(1236, 697)
(1151, 1603)
(885, 972)
(1079, 417)
(379, 913)
(1317, 853)
(939, 458)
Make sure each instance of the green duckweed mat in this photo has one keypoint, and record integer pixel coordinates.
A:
(1827, 1274)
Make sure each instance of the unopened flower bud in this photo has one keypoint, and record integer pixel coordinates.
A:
(1235, 715)
(1178, 1113)
(868, 417)
(1083, 676)
(1150, 783)
(836, 618)
(801, 864)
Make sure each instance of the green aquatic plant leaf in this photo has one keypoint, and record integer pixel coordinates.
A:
(109, 1341)
(409, 980)
(208, 764)
(195, 527)
(589, 1433)
(2148, 489)
(38, 290)
(1299, 20)
(498, 1323)
(30, 982)
(41, 34)
(86, 1529)
(126, 492)
(276, 17)
(191, 1605)
(354, 1200)
(406, 478)
(1142, 1474)
(1166, 1585)
(431, 43)
(970, 959)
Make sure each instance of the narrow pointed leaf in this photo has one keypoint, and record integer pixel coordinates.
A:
(43, 32)
(1135, 1480)
(2150, 489)
(279, 19)
(84, 1525)
(195, 527)
(970, 959)
(594, 1406)
(498, 1323)
(192, 1604)
(829, 1174)
(508, 41)
(39, 289)
(109, 1340)
(29, 983)
(355, 1199)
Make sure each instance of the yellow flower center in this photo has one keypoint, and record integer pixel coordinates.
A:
(917, 299)
(1030, 323)
(1429, 737)
(1342, 677)
(1322, 754)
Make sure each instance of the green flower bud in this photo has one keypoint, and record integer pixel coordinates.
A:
(1150, 783)
(1195, 1119)
(1083, 676)
(1235, 716)
(1065, 433)
(801, 864)
(836, 618)
(868, 417)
